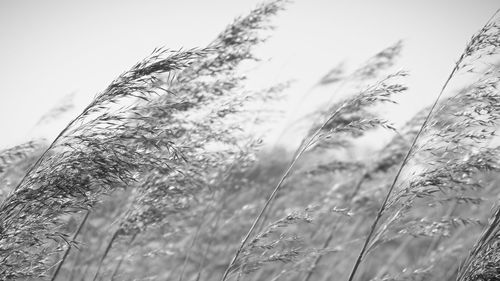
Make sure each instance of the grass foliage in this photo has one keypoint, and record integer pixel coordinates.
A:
(164, 175)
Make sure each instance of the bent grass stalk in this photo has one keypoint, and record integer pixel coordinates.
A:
(66, 252)
(379, 92)
(106, 251)
(475, 45)
(285, 175)
(45, 190)
(117, 268)
(403, 164)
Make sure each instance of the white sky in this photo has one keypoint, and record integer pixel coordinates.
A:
(51, 48)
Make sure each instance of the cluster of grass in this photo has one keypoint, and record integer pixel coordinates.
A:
(163, 177)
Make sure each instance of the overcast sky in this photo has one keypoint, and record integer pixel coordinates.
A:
(52, 48)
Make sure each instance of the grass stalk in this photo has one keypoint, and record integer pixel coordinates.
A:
(117, 268)
(105, 254)
(66, 252)
(398, 174)
(278, 186)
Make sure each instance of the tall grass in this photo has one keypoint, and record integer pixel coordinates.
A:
(163, 175)
(482, 43)
(98, 151)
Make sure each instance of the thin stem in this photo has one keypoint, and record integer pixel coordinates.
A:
(108, 247)
(483, 240)
(276, 189)
(117, 268)
(403, 164)
(66, 252)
